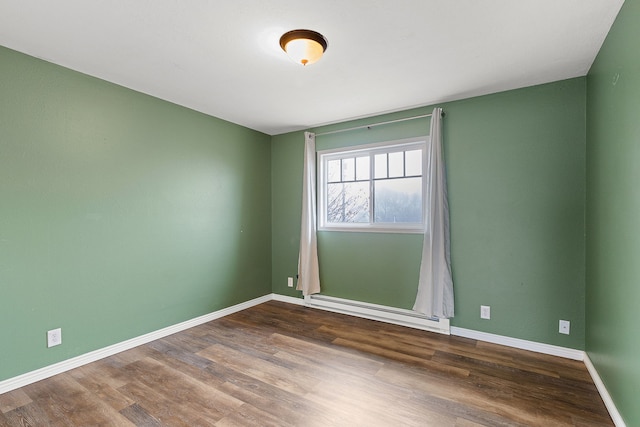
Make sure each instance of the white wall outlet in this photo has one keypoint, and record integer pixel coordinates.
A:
(54, 337)
(290, 282)
(485, 312)
(565, 327)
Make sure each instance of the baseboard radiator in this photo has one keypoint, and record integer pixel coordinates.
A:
(397, 316)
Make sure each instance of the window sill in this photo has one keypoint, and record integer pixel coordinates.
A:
(396, 230)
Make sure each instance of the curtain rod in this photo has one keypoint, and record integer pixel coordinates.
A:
(375, 124)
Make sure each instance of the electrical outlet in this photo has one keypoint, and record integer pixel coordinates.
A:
(565, 327)
(290, 282)
(485, 312)
(54, 337)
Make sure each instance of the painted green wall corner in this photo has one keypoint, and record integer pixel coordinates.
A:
(516, 169)
(120, 214)
(287, 152)
(613, 209)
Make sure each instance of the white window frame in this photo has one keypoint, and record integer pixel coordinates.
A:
(324, 156)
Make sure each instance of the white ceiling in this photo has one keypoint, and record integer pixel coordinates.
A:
(223, 57)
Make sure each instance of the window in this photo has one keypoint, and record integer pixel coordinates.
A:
(375, 187)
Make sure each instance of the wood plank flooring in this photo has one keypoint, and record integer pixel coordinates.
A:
(278, 364)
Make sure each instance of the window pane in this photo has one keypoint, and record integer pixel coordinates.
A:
(348, 202)
(373, 187)
(348, 169)
(413, 162)
(380, 165)
(398, 200)
(396, 164)
(333, 171)
(362, 168)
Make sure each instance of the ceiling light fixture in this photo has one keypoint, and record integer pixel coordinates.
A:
(304, 46)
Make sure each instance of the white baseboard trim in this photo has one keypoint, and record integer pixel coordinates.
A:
(381, 313)
(288, 299)
(604, 393)
(75, 362)
(552, 350)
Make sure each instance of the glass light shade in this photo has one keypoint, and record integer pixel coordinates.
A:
(304, 46)
(304, 51)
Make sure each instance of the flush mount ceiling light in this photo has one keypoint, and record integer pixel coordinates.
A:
(303, 46)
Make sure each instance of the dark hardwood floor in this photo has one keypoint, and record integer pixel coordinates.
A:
(278, 364)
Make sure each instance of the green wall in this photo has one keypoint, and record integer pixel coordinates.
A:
(120, 214)
(613, 213)
(516, 170)
(517, 193)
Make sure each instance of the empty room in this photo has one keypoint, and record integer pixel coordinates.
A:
(358, 213)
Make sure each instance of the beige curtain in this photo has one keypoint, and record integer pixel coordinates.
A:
(435, 285)
(308, 268)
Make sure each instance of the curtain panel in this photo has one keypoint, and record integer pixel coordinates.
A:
(308, 267)
(435, 284)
